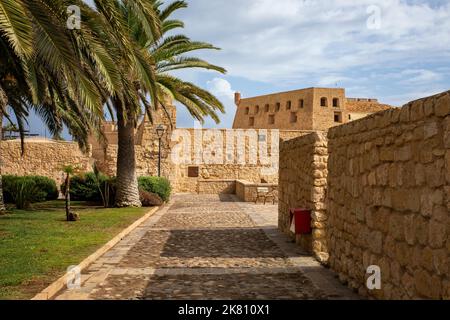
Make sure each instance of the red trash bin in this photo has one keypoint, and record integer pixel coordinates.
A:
(301, 221)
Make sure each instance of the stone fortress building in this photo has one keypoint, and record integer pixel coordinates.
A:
(376, 179)
(305, 109)
(291, 114)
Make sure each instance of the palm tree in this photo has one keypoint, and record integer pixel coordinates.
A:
(158, 54)
(137, 70)
(64, 75)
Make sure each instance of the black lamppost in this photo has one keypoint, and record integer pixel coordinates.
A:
(159, 132)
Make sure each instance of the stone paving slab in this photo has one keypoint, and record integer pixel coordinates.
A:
(208, 219)
(208, 247)
(246, 286)
(204, 248)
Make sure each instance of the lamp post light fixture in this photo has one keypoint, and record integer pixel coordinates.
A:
(159, 132)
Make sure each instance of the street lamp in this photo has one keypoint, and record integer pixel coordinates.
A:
(159, 132)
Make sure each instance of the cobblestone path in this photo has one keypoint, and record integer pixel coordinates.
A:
(208, 247)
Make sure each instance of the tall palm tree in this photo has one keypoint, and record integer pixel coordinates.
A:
(162, 54)
(137, 72)
(64, 75)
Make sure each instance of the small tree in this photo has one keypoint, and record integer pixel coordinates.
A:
(68, 170)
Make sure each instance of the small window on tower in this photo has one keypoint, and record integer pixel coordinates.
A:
(288, 105)
(323, 102)
(266, 108)
(247, 110)
(338, 117)
(301, 104)
(257, 110)
(277, 107)
(272, 119)
(336, 102)
(293, 117)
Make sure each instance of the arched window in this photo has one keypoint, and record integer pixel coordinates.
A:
(277, 107)
(247, 110)
(267, 108)
(257, 110)
(336, 102)
(324, 102)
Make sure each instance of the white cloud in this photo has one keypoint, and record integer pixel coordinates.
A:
(221, 87)
(282, 40)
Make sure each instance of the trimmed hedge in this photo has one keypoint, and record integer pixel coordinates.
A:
(42, 188)
(159, 185)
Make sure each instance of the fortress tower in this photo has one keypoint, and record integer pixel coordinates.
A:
(304, 109)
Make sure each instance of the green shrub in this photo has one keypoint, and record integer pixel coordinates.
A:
(45, 187)
(160, 186)
(8, 182)
(25, 191)
(86, 187)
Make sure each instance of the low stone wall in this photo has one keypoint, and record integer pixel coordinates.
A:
(389, 200)
(216, 187)
(247, 191)
(42, 157)
(302, 184)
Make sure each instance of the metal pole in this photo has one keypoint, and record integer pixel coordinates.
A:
(159, 158)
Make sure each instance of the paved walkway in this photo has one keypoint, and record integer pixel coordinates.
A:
(208, 247)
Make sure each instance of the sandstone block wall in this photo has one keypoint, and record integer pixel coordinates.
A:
(389, 200)
(42, 157)
(302, 184)
(247, 191)
(217, 187)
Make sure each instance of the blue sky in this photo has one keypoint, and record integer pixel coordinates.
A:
(392, 50)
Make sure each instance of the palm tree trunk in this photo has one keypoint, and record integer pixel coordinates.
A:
(67, 196)
(127, 185)
(3, 103)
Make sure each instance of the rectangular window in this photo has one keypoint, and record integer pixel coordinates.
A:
(336, 103)
(288, 105)
(193, 172)
(293, 117)
(277, 107)
(262, 138)
(251, 121)
(338, 117)
(272, 119)
(266, 108)
(301, 104)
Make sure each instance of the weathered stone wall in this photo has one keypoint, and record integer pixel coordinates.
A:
(42, 157)
(389, 200)
(221, 164)
(247, 191)
(216, 186)
(302, 184)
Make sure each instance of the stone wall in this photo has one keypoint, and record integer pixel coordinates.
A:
(302, 184)
(389, 200)
(216, 186)
(42, 157)
(247, 191)
(198, 143)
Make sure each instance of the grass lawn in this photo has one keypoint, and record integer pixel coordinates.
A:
(37, 246)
